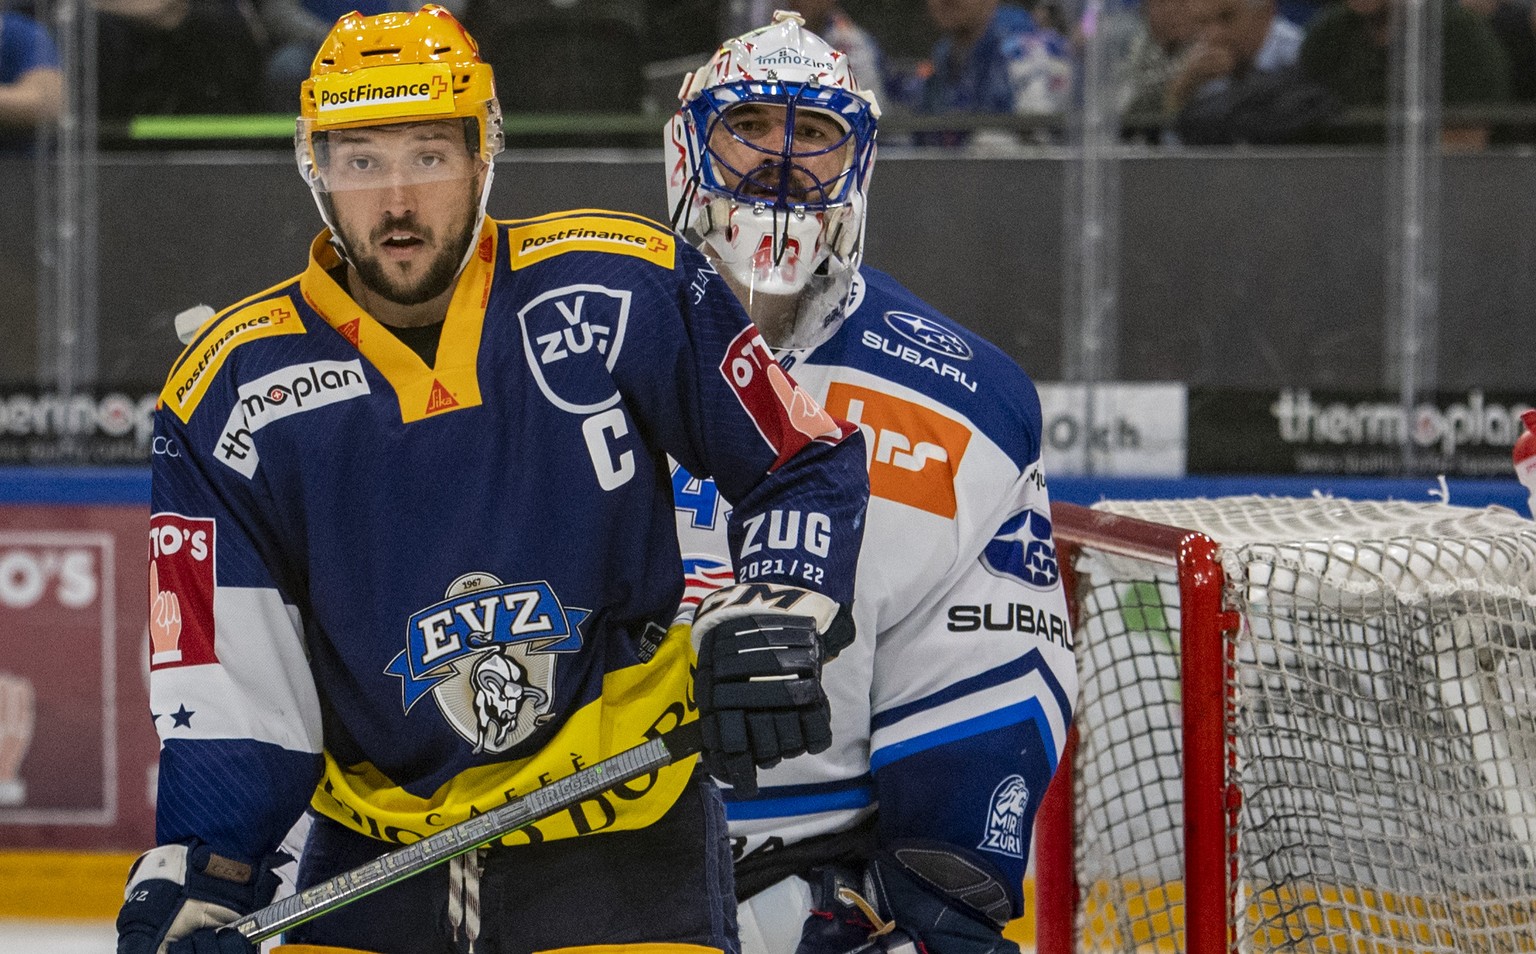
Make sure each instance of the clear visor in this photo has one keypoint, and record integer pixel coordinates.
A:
(767, 144)
(389, 156)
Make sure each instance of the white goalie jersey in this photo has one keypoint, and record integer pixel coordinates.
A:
(950, 709)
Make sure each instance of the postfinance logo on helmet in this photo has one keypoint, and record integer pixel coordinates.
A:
(396, 68)
(770, 155)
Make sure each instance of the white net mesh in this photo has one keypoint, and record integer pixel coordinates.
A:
(1383, 737)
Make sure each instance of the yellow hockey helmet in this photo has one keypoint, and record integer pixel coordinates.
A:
(397, 68)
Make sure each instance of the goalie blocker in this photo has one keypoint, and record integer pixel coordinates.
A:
(761, 648)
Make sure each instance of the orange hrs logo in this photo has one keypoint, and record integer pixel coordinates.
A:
(914, 451)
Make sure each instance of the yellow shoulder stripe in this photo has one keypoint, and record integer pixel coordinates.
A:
(201, 361)
(590, 230)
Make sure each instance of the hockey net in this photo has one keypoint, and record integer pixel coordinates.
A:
(1304, 725)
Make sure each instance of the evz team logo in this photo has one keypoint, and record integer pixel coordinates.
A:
(1005, 818)
(571, 338)
(929, 334)
(487, 653)
(1022, 549)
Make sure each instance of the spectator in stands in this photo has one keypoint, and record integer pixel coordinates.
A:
(296, 27)
(1166, 29)
(31, 85)
(991, 57)
(826, 19)
(1239, 82)
(1514, 23)
(178, 57)
(1346, 49)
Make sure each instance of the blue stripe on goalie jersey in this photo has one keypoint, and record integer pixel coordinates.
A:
(1029, 710)
(782, 801)
(1005, 405)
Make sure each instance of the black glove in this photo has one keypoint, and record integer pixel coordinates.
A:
(951, 901)
(923, 896)
(182, 894)
(758, 687)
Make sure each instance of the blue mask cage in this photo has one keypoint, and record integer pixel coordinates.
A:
(781, 179)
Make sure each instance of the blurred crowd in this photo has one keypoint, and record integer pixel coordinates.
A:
(1181, 71)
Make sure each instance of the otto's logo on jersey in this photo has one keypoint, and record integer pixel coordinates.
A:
(181, 586)
(290, 390)
(785, 416)
(1023, 550)
(1005, 818)
(914, 451)
(929, 334)
(571, 338)
(487, 654)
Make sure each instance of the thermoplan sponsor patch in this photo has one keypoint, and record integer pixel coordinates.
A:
(181, 582)
(914, 451)
(285, 392)
(537, 241)
(571, 338)
(202, 360)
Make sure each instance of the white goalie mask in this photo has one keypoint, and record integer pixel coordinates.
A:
(768, 166)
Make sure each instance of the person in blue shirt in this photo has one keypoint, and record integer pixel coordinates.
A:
(31, 84)
(991, 58)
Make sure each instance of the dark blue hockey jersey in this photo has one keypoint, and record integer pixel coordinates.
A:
(402, 593)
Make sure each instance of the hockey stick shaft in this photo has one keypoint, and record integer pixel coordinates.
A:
(472, 833)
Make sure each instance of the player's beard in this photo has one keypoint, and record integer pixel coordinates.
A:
(441, 271)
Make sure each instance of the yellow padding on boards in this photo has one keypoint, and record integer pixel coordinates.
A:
(62, 884)
(648, 947)
(315, 949)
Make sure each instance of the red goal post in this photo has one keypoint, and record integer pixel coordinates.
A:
(1304, 724)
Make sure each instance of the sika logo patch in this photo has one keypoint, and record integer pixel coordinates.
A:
(914, 451)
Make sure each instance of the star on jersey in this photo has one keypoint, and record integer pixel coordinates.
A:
(928, 333)
(1022, 549)
(182, 717)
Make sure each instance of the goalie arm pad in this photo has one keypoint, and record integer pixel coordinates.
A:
(758, 686)
(179, 895)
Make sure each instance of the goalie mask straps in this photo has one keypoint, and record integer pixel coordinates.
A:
(464, 873)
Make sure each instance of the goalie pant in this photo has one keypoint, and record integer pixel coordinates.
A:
(950, 711)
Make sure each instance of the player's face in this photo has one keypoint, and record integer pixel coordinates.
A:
(406, 201)
(750, 142)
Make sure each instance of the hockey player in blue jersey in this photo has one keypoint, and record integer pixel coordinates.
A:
(951, 711)
(414, 553)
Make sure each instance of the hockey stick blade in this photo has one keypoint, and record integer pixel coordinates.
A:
(472, 833)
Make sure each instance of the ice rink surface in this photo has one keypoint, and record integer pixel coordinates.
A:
(57, 937)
